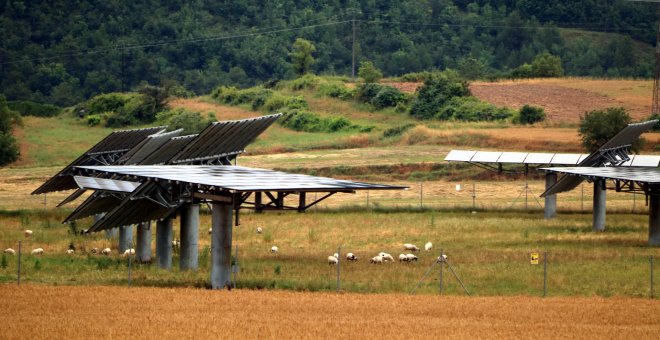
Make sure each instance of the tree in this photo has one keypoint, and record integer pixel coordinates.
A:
(8, 119)
(546, 65)
(599, 126)
(655, 116)
(529, 115)
(471, 68)
(438, 90)
(301, 56)
(369, 72)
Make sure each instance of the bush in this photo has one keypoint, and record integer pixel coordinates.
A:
(367, 92)
(544, 65)
(296, 103)
(275, 102)
(308, 81)
(437, 90)
(122, 109)
(599, 126)
(336, 90)
(655, 116)
(260, 98)
(388, 97)
(94, 120)
(28, 108)
(397, 130)
(472, 109)
(225, 94)
(190, 122)
(529, 115)
(301, 120)
(369, 72)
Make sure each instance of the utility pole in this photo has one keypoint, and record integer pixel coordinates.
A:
(353, 10)
(655, 106)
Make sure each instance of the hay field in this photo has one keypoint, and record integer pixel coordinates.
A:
(157, 313)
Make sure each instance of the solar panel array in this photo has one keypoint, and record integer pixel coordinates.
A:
(646, 175)
(540, 158)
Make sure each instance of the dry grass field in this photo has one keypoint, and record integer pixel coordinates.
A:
(149, 313)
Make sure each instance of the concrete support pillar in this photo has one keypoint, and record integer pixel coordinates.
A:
(550, 209)
(189, 237)
(654, 218)
(221, 245)
(143, 244)
(164, 243)
(599, 205)
(125, 238)
(109, 233)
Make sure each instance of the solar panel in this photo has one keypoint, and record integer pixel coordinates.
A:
(486, 157)
(566, 159)
(150, 144)
(539, 158)
(646, 175)
(512, 157)
(105, 184)
(646, 161)
(459, 156)
(98, 203)
(238, 178)
(166, 151)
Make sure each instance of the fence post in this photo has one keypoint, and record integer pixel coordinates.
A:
(338, 264)
(474, 196)
(19, 263)
(421, 195)
(545, 273)
(129, 267)
(651, 265)
(442, 252)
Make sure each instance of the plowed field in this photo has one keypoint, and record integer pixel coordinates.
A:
(160, 313)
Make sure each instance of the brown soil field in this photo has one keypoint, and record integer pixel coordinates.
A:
(564, 99)
(164, 313)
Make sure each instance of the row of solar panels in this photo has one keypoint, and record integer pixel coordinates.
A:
(539, 158)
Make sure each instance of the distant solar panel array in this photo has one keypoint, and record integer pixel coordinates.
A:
(540, 158)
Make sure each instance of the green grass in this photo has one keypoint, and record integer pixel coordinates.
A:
(489, 251)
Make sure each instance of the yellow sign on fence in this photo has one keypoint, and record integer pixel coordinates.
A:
(534, 258)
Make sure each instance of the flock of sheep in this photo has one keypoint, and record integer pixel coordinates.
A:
(70, 251)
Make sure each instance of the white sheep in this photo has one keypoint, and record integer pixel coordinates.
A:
(10, 251)
(351, 257)
(95, 250)
(210, 231)
(37, 251)
(376, 260)
(70, 251)
(128, 252)
(411, 257)
(386, 257)
(410, 247)
(332, 260)
(274, 249)
(27, 232)
(442, 258)
(335, 255)
(106, 251)
(259, 230)
(428, 246)
(403, 258)
(176, 243)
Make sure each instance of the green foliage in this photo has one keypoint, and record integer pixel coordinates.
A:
(336, 90)
(307, 81)
(655, 116)
(3, 262)
(544, 65)
(397, 130)
(301, 56)
(368, 91)
(277, 270)
(296, 103)
(472, 109)
(9, 150)
(122, 109)
(28, 108)
(471, 68)
(599, 126)
(94, 120)
(437, 90)
(275, 102)
(529, 115)
(180, 118)
(369, 72)
(300, 120)
(388, 97)
(37, 264)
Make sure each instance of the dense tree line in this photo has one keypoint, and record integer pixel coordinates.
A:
(62, 52)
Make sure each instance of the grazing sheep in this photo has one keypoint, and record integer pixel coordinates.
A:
(403, 258)
(27, 232)
(335, 255)
(9, 251)
(332, 260)
(274, 249)
(410, 247)
(428, 246)
(376, 260)
(411, 257)
(95, 250)
(176, 243)
(70, 251)
(106, 251)
(386, 257)
(351, 257)
(442, 258)
(210, 231)
(128, 252)
(37, 251)
(259, 230)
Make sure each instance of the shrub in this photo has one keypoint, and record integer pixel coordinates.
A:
(275, 102)
(335, 90)
(437, 90)
(473, 110)
(260, 98)
(225, 94)
(367, 92)
(28, 108)
(9, 151)
(3, 262)
(529, 115)
(190, 122)
(308, 81)
(94, 120)
(599, 126)
(397, 130)
(301, 120)
(655, 116)
(369, 72)
(388, 97)
(296, 103)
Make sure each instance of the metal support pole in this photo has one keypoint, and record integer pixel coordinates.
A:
(19, 263)
(550, 209)
(526, 193)
(582, 198)
(189, 237)
(143, 251)
(302, 197)
(599, 205)
(129, 269)
(545, 273)
(654, 218)
(442, 252)
(125, 238)
(367, 199)
(221, 246)
(456, 276)
(338, 270)
(164, 243)
(421, 195)
(474, 196)
(257, 202)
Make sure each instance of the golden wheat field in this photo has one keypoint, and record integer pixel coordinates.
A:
(158, 313)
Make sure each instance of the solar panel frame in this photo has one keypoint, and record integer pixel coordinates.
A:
(512, 157)
(565, 159)
(105, 184)
(539, 158)
(459, 155)
(486, 157)
(646, 161)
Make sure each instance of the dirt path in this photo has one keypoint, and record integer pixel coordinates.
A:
(162, 313)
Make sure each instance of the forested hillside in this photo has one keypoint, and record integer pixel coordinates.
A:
(62, 52)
